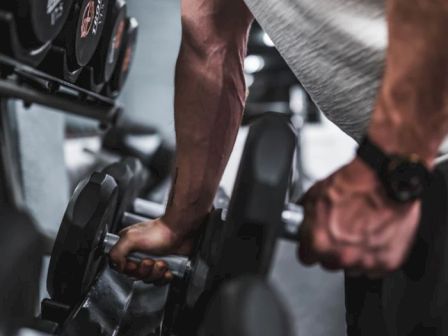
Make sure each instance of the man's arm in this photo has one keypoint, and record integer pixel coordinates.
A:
(350, 222)
(412, 108)
(209, 100)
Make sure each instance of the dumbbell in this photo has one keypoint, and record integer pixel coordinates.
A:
(248, 236)
(80, 249)
(82, 32)
(144, 143)
(83, 240)
(130, 177)
(38, 21)
(125, 59)
(143, 210)
(245, 243)
(106, 56)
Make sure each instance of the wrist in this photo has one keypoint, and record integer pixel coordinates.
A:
(405, 177)
(404, 139)
(184, 222)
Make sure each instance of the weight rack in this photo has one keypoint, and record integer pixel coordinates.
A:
(40, 77)
(20, 81)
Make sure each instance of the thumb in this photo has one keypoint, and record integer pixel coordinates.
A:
(120, 251)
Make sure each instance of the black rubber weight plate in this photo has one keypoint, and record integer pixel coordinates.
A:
(126, 55)
(115, 40)
(39, 21)
(89, 29)
(77, 253)
(48, 17)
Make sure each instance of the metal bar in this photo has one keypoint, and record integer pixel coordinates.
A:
(131, 219)
(292, 219)
(60, 101)
(148, 209)
(11, 189)
(292, 216)
(178, 265)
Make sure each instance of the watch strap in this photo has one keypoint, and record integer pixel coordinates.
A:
(372, 155)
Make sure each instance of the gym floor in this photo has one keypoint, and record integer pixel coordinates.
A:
(315, 298)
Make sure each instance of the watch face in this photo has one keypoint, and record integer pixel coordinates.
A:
(405, 179)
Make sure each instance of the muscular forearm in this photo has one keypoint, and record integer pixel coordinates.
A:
(209, 102)
(411, 115)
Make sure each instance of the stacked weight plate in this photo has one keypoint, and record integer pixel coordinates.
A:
(28, 27)
(105, 57)
(125, 59)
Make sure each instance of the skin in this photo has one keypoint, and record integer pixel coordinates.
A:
(350, 223)
(210, 94)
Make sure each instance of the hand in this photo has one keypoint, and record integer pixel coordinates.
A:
(154, 237)
(351, 224)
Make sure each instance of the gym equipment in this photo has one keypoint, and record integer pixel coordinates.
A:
(79, 250)
(130, 176)
(125, 59)
(99, 312)
(82, 33)
(20, 270)
(252, 305)
(56, 64)
(76, 259)
(38, 21)
(87, 80)
(106, 55)
(243, 245)
(100, 68)
(13, 47)
(144, 143)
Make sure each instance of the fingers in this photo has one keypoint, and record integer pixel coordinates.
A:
(149, 271)
(119, 253)
(145, 269)
(166, 279)
(147, 237)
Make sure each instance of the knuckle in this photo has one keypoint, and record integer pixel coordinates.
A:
(147, 263)
(318, 244)
(129, 234)
(114, 256)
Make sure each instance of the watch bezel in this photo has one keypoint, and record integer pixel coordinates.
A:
(412, 165)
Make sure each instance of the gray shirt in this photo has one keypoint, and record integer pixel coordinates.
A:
(336, 48)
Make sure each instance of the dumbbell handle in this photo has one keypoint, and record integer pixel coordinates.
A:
(178, 265)
(292, 216)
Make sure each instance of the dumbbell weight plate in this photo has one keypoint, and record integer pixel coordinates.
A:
(259, 197)
(125, 58)
(77, 254)
(82, 33)
(90, 29)
(245, 243)
(106, 56)
(130, 176)
(38, 21)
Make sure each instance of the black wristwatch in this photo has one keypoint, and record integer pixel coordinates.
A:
(405, 178)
